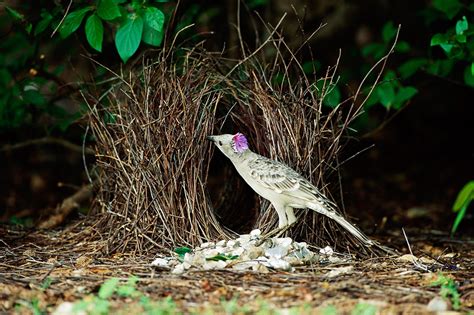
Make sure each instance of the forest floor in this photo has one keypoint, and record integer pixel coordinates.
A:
(46, 271)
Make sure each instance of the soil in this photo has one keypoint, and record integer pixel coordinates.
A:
(77, 269)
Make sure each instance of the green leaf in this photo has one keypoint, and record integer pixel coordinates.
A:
(465, 195)
(5, 79)
(108, 288)
(386, 93)
(46, 283)
(472, 69)
(402, 47)
(364, 309)
(108, 10)
(461, 38)
(34, 97)
(15, 14)
(447, 47)
(329, 310)
(461, 26)
(126, 291)
(375, 50)
(440, 67)
(373, 99)
(43, 24)
(151, 36)
(95, 32)
(182, 250)
(72, 22)
(29, 28)
(459, 218)
(222, 257)
(438, 39)
(449, 7)
(388, 32)
(404, 94)
(411, 66)
(468, 76)
(310, 67)
(128, 36)
(332, 97)
(154, 18)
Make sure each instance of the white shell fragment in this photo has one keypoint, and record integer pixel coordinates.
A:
(326, 251)
(243, 254)
(160, 262)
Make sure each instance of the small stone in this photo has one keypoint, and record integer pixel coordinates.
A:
(279, 264)
(253, 253)
(339, 271)
(179, 269)
(437, 304)
(255, 234)
(207, 244)
(67, 308)
(327, 251)
(211, 265)
(160, 262)
(260, 268)
(221, 243)
(238, 251)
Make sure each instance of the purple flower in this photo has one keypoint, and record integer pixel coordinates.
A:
(239, 143)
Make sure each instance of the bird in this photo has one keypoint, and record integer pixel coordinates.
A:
(281, 185)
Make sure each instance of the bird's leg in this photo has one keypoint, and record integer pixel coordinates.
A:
(290, 214)
(286, 219)
(274, 233)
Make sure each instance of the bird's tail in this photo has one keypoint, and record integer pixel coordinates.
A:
(328, 211)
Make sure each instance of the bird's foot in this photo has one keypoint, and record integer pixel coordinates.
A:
(275, 233)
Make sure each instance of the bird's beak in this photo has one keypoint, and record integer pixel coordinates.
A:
(210, 138)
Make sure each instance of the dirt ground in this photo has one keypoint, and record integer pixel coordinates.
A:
(74, 270)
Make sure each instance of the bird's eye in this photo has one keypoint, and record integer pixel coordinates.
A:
(220, 142)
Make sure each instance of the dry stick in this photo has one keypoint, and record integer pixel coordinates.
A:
(46, 140)
(256, 50)
(239, 35)
(417, 263)
(382, 61)
(62, 20)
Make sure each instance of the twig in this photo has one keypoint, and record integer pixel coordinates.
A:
(47, 140)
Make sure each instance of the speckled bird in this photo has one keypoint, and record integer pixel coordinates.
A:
(285, 188)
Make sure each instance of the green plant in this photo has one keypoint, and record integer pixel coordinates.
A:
(364, 309)
(33, 306)
(463, 200)
(329, 310)
(31, 82)
(112, 288)
(134, 21)
(448, 289)
(390, 93)
(448, 54)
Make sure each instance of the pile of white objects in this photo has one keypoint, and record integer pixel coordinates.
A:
(243, 254)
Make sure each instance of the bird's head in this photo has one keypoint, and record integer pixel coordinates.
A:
(230, 145)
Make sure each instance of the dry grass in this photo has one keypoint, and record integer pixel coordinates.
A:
(152, 156)
(153, 160)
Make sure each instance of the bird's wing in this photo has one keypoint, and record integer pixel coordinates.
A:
(283, 179)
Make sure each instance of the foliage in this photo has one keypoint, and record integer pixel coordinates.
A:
(448, 289)
(449, 54)
(364, 309)
(463, 200)
(390, 93)
(134, 21)
(30, 82)
(181, 251)
(101, 303)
